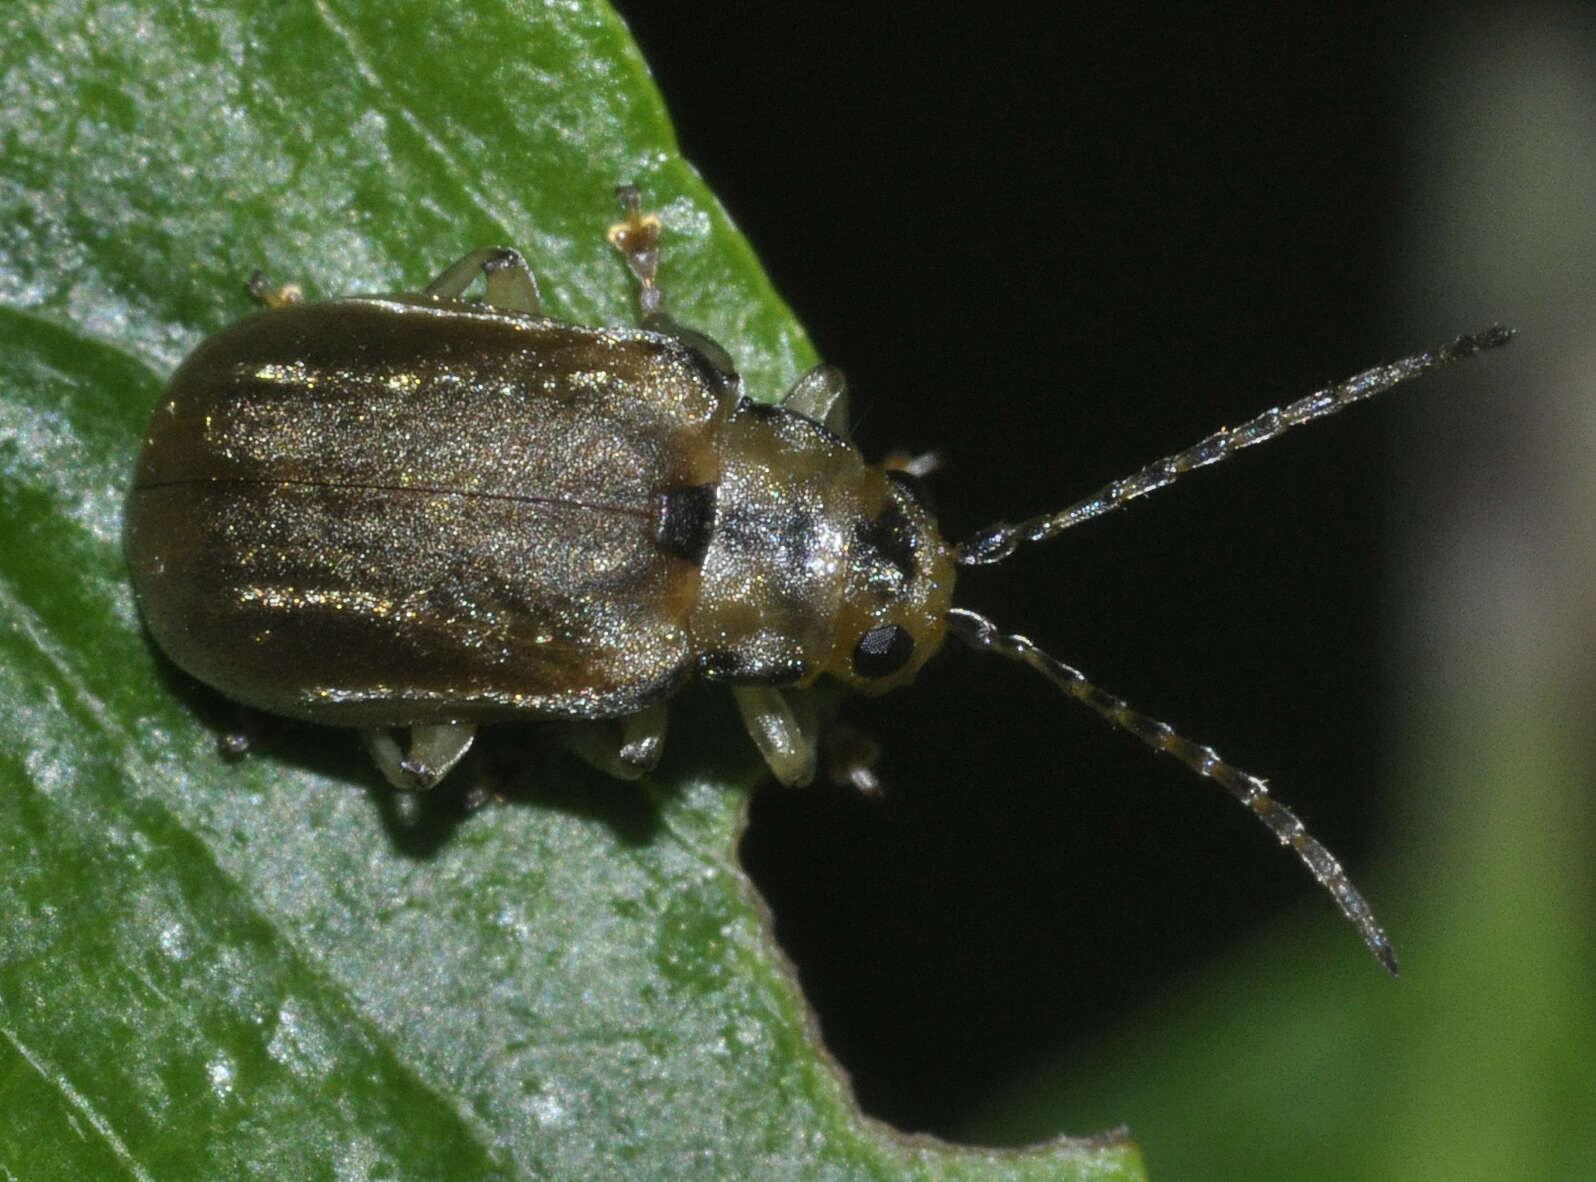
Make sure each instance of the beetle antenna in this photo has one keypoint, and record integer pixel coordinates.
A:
(997, 542)
(980, 633)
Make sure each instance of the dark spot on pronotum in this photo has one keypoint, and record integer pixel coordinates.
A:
(890, 537)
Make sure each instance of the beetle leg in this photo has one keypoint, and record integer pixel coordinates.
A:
(643, 737)
(509, 281)
(786, 742)
(434, 750)
(850, 758)
(270, 294)
(821, 394)
(642, 741)
(920, 465)
(637, 238)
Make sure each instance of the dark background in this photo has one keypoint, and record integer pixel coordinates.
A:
(1055, 247)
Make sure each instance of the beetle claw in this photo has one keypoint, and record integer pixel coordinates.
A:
(421, 776)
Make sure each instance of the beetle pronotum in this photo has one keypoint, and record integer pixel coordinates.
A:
(414, 511)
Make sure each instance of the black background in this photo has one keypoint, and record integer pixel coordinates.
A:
(1055, 246)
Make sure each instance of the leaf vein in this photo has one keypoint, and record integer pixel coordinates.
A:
(80, 1103)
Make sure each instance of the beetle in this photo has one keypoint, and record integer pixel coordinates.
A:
(418, 511)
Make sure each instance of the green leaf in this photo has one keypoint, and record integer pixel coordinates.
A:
(279, 969)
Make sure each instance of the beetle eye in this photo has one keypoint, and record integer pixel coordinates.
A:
(882, 651)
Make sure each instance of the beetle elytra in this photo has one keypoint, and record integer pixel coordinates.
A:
(415, 511)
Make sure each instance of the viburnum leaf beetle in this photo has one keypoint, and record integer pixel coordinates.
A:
(414, 511)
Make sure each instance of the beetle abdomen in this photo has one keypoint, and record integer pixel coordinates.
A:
(397, 511)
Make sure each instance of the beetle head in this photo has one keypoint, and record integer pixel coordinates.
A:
(898, 588)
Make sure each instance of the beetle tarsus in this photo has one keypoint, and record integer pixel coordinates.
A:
(643, 738)
(636, 236)
(850, 759)
(421, 776)
(272, 295)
